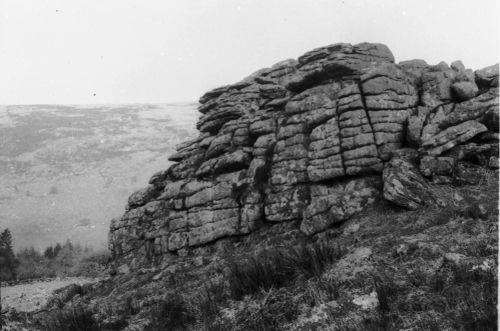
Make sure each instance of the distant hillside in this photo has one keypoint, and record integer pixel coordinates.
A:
(66, 170)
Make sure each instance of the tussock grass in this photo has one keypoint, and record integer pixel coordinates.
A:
(275, 308)
(267, 277)
(172, 314)
(279, 267)
(457, 296)
(70, 319)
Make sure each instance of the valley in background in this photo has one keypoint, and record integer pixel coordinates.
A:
(67, 170)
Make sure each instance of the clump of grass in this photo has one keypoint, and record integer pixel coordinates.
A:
(172, 314)
(266, 275)
(417, 277)
(430, 323)
(277, 268)
(70, 319)
(477, 298)
(321, 290)
(386, 290)
(454, 296)
(130, 306)
(207, 304)
(268, 269)
(275, 309)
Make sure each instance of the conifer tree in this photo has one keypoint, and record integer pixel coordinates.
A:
(57, 249)
(8, 261)
(49, 253)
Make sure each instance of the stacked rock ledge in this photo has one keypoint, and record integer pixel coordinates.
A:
(312, 141)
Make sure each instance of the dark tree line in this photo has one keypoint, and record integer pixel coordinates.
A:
(52, 251)
(8, 260)
(57, 260)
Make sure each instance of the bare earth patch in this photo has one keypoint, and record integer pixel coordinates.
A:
(32, 296)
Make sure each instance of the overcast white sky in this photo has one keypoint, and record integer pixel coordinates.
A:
(127, 51)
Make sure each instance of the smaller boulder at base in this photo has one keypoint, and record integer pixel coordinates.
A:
(403, 184)
(441, 166)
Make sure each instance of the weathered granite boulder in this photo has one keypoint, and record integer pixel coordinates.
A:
(464, 90)
(451, 136)
(62, 295)
(308, 141)
(487, 77)
(143, 196)
(335, 61)
(403, 184)
(334, 204)
(436, 85)
(483, 108)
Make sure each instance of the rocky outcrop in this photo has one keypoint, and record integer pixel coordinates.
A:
(310, 141)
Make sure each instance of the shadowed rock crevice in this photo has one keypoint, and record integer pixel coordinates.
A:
(360, 87)
(312, 142)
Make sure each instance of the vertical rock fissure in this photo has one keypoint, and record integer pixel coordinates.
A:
(337, 117)
(420, 92)
(264, 175)
(367, 112)
(306, 144)
(266, 172)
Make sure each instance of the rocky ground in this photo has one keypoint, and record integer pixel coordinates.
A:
(20, 300)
